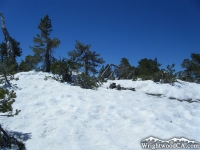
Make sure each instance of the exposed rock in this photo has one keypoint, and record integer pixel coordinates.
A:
(112, 85)
(119, 87)
(132, 89)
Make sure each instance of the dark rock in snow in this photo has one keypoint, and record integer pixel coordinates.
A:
(119, 87)
(112, 85)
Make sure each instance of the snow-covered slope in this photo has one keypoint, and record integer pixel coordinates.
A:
(58, 116)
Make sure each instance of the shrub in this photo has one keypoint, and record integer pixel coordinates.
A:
(6, 101)
(88, 82)
(62, 68)
(166, 76)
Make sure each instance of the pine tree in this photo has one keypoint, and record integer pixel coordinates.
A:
(10, 65)
(17, 51)
(147, 68)
(171, 76)
(3, 52)
(125, 70)
(87, 59)
(10, 62)
(43, 50)
(28, 64)
(83, 57)
(7, 98)
(192, 68)
(63, 68)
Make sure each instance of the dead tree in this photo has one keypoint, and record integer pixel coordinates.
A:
(7, 140)
(115, 69)
(8, 46)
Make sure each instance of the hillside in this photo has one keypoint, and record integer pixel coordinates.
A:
(58, 116)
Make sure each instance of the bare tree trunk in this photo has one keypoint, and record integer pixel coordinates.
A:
(130, 74)
(8, 46)
(108, 68)
(85, 69)
(111, 74)
(8, 140)
(5, 76)
(47, 61)
(2, 66)
(86, 66)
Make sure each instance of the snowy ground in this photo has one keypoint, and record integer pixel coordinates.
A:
(57, 116)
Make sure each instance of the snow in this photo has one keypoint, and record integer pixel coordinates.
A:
(58, 116)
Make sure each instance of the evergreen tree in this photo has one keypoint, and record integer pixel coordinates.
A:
(28, 64)
(88, 82)
(10, 62)
(171, 75)
(147, 68)
(10, 65)
(84, 57)
(17, 51)
(6, 101)
(132, 72)
(125, 70)
(3, 52)
(43, 50)
(63, 68)
(192, 68)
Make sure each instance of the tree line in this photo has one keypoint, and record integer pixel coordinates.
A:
(83, 59)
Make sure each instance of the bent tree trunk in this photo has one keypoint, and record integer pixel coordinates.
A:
(116, 67)
(8, 46)
(2, 67)
(86, 67)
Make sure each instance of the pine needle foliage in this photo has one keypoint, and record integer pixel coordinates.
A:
(44, 45)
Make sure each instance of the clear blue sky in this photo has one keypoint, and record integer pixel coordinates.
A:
(135, 29)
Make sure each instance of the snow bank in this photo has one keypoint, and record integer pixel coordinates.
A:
(57, 116)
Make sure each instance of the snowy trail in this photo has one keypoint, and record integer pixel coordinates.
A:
(59, 116)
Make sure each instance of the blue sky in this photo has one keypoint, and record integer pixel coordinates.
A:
(135, 29)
